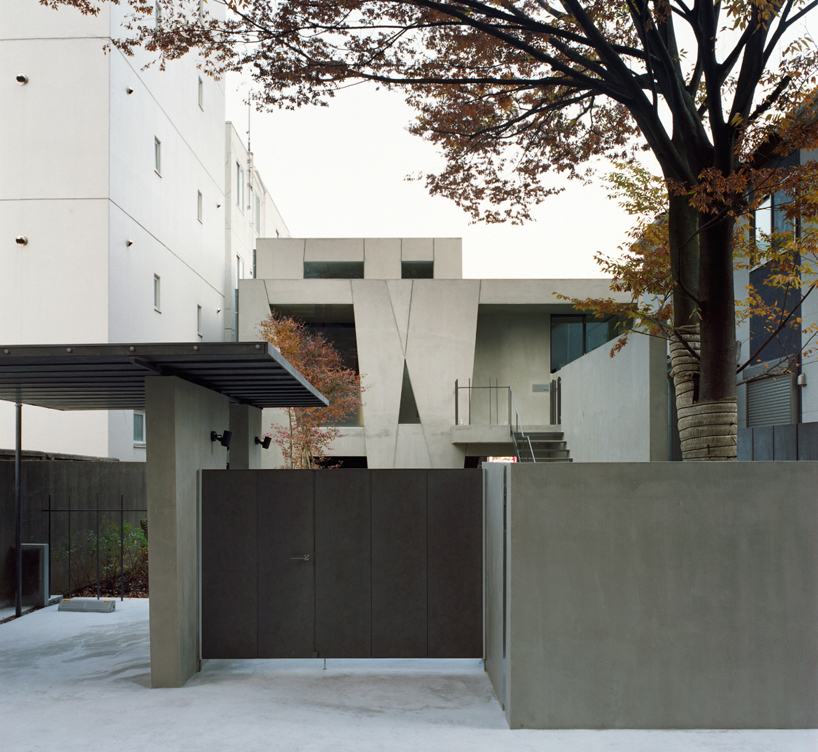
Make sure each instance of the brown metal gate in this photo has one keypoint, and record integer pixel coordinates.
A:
(342, 564)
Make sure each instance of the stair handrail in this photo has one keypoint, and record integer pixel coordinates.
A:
(517, 427)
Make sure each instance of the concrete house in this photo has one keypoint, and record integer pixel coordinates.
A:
(404, 316)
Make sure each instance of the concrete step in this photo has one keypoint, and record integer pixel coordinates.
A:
(541, 435)
(546, 459)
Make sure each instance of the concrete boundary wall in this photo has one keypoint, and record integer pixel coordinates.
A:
(615, 409)
(654, 596)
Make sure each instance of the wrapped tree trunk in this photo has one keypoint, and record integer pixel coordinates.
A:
(707, 429)
(707, 423)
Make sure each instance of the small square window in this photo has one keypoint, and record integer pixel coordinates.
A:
(201, 93)
(417, 269)
(138, 428)
(199, 205)
(157, 156)
(156, 291)
(199, 320)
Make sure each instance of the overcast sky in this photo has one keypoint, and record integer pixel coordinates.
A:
(339, 171)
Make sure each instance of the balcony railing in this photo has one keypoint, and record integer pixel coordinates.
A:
(491, 405)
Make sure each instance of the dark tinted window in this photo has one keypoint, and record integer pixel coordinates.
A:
(417, 269)
(333, 270)
(576, 334)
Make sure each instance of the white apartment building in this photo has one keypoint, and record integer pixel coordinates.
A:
(128, 208)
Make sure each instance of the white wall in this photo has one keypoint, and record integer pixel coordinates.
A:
(242, 228)
(513, 347)
(77, 178)
(615, 409)
(809, 312)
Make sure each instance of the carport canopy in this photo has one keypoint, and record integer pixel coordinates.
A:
(112, 376)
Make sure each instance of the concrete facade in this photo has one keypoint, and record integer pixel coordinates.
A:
(116, 175)
(438, 330)
(616, 409)
(179, 447)
(646, 596)
(245, 423)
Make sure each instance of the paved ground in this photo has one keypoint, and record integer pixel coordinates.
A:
(79, 681)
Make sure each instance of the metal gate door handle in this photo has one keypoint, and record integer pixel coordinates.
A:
(305, 557)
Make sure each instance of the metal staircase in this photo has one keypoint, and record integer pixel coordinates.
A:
(529, 446)
(540, 446)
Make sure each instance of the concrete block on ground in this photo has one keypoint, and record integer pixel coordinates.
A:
(90, 605)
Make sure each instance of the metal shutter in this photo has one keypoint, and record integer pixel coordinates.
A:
(770, 401)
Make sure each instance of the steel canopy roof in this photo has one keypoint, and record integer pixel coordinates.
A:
(112, 376)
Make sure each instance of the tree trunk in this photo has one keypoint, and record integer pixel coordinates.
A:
(683, 242)
(708, 424)
(703, 348)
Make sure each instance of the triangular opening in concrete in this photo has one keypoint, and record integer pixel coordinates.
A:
(408, 412)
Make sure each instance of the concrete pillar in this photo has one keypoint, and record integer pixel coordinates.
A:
(245, 423)
(179, 418)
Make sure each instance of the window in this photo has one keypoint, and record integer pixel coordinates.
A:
(772, 401)
(257, 213)
(157, 13)
(574, 335)
(239, 269)
(201, 93)
(199, 320)
(333, 270)
(239, 186)
(156, 290)
(763, 224)
(138, 428)
(199, 205)
(250, 201)
(157, 155)
(417, 269)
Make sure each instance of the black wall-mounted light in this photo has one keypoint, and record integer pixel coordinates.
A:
(265, 442)
(224, 439)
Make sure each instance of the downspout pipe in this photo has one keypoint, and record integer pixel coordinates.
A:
(18, 511)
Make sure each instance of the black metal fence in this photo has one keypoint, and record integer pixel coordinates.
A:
(95, 511)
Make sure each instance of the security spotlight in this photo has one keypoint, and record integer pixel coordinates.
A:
(21, 240)
(129, 90)
(21, 79)
(129, 243)
(265, 442)
(224, 439)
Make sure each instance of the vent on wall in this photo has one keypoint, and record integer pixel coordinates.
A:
(770, 401)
